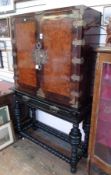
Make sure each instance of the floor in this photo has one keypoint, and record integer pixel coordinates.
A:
(26, 158)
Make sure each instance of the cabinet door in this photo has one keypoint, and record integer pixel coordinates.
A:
(100, 136)
(58, 35)
(24, 41)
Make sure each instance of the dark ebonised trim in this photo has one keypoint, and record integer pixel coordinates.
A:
(69, 114)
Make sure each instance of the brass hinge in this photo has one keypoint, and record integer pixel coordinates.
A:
(79, 23)
(40, 93)
(78, 42)
(77, 60)
(76, 77)
(76, 94)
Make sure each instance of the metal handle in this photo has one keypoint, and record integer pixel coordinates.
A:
(25, 98)
(54, 109)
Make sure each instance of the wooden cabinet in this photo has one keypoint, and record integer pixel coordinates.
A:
(53, 54)
(54, 63)
(100, 135)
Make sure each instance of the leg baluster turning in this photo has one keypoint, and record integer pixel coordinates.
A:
(75, 139)
(34, 121)
(17, 115)
(86, 128)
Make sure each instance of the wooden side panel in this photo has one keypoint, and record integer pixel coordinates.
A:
(57, 42)
(25, 32)
(98, 151)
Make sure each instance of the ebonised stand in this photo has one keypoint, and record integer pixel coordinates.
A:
(29, 104)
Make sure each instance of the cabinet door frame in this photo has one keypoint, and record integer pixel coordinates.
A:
(14, 21)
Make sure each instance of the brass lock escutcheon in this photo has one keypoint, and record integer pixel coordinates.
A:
(39, 54)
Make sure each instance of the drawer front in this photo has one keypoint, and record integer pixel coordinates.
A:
(46, 106)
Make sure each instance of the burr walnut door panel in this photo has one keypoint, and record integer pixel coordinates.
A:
(25, 39)
(58, 35)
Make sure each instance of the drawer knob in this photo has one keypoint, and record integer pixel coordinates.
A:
(54, 109)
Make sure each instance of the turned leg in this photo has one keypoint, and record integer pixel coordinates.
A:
(34, 121)
(75, 139)
(86, 128)
(17, 115)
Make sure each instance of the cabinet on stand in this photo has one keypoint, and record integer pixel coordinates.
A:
(54, 63)
(100, 135)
